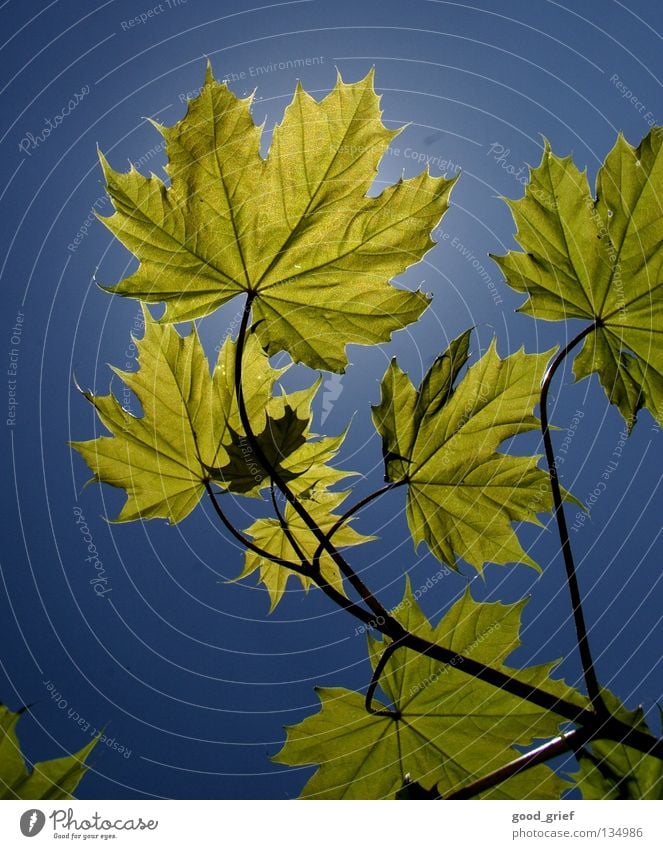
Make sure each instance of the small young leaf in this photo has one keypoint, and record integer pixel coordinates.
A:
(447, 728)
(296, 230)
(270, 536)
(297, 455)
(599, 260)
(462, 495)
(55, 779)
(281, 438)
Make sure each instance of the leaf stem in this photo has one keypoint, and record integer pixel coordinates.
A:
(288, 533)
(354, 580)
(245, 540)
(337, 597)
(589, 672)
(351, 511)
(375, 679)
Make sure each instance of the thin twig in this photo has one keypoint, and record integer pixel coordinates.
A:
(245, 540)
(589, 672)
(354, 580)
(375, 680)
(351, 511)
(288, 533)
(337, 597)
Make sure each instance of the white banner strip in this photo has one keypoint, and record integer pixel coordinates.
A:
(314, 825)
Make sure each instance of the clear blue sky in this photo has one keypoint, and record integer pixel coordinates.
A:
(187, 672)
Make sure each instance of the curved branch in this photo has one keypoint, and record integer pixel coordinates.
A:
(589, 672)
(345, 568)
(245, 540)
(375, 680)
(350, 512)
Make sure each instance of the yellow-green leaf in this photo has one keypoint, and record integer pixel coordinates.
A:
(190, 431)
(270, 536)
(446, 729)
(296, 230)
(298, 456)
(600, 260)
(610, 770)
(54, 779)
(463, 495)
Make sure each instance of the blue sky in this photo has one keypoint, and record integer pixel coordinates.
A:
(191, 678)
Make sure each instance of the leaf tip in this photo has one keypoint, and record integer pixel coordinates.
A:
(546, 144)
(209, 72)
(105, 164)
(79, 388)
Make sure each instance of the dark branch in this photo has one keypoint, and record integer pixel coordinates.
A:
(591, 679)
(339, 560)
(296, 567)
(289, 535)
(350, 512)
(375, 680)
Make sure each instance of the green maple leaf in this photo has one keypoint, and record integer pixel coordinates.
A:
(463, 496)
(190, 429)
(54, 779)
(600, 260)
(296, 230)
(447, 728)
(299, 456)
(610, 770)
(270, 536)
(279, 439)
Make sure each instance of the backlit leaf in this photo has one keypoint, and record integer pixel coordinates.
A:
(270, 536)
(54, 779)
(449, 728)
(463, 496)
(296, 229)
(600, 260)
(610, 770)
(190, 431)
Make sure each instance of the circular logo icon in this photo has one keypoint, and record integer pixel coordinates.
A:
(32, 822)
